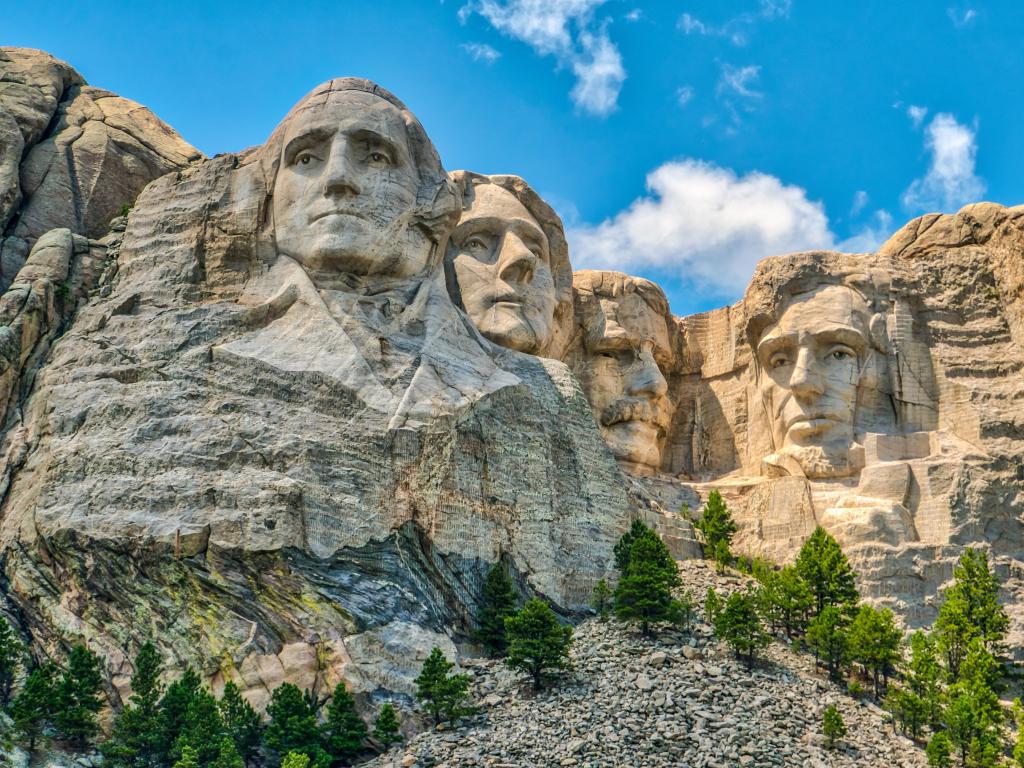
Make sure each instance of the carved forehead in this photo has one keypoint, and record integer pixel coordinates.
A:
(824, 308)
(625, 320)
(490, 200)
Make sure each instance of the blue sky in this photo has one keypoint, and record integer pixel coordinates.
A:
(679, 140)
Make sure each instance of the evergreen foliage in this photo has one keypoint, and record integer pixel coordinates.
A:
(739, 624)
(833, 726)
(712, 606)
(826, 636)
(644, 592)
(723, 555)
(537, 643)
(938, 751)
(188, 759)
(202, 730)
(443, 695)
(625, 544)
(32, 708)
(826, 571)
(135, 740)
(344, 731)
(924, 676)
(77, 697)
(716, 525)
(228, 755)
(497, 602)
(295, 760)
(241, 721)
(784, 599)
(387, 728)
(602, 599)
(293, 725)
(974, 716)
(874, 643)
(970, 609)
(12, 651)
(173, 707)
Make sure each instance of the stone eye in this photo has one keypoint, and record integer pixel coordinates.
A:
(840, 354)
(304, 158)
(476, 245)
(778, 361)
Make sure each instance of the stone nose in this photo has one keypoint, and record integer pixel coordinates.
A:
(807, 380)
(645, 378)
(340, 176)
(516, 262)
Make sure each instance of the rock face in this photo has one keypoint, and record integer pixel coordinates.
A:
(284, 417)
(278, 448)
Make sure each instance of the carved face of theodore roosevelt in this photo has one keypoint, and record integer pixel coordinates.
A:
(346, 188)
(502, 264)
(810, 363)
(625, 348)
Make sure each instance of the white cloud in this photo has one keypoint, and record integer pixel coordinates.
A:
(871, 236)
(860, 201)
(704, 223)
(737, 28)
(635, 15)
(962, 16)
(684, 94)
(738, 80)
(917, 114)
(482, 52)
(569, 31)
(951, 180)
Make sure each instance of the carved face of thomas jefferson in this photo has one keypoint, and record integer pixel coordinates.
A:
(346, 188)
(810, 364)
(502, 264)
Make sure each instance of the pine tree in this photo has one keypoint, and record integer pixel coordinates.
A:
(77, 697)
(136, 738)
(1018, 746)
(826, 571)
(740, 626)
(974, 715)
(602, 599)
(203, 729)
(784, 599)
(826, 636)
(497, 602)
(909, 710)
(832, 726)
(344, 731)
(12, 651)
(924, 676)
(189, 758)
(715, 525)
(443, 695)
(241, 721)
(387, 728)
(938, 751)
(644, 593)
(625, 544)
(874, 643)
(33, 706)
(295, 760)
(712, 605)
(173, 707)
(970, 609)
(228, 755)
(537, 643)
(293, 723)
(723, 555)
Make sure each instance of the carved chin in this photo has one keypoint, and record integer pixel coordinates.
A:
(507, 327)
(636, 445)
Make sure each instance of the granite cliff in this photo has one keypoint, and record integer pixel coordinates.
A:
(284, 416)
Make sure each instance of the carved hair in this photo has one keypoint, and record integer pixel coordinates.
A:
(607, 284)
(558, 249)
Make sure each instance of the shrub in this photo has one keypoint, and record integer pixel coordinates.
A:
(832, 726)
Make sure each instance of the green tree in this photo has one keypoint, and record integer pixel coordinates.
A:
(826, 571)
(832, 726)
(625, 544)
(12, 651)
(1018, 745)
(739, 624)
(228, 755)
(909, 710)
(974, 716)
(687, 611)
(924, 676)
(444, 696)
(77, 697)
(174, 705)
(33, 706)
(241, 721)
(344, 731)
(293, 724)
(295, 760)
(723, 555)
(938, 751)
(189, 758)
(827, 638)
(497, 601)
(712, 605)
(715, 524)
(602, 599)
(203, 728)
(537, 643)
(135, 740)
(784, 599)
(644, 592)
(387, 728)
(970, 609)
(874, 643)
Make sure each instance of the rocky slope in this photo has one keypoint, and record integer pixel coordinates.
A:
(679, 700)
